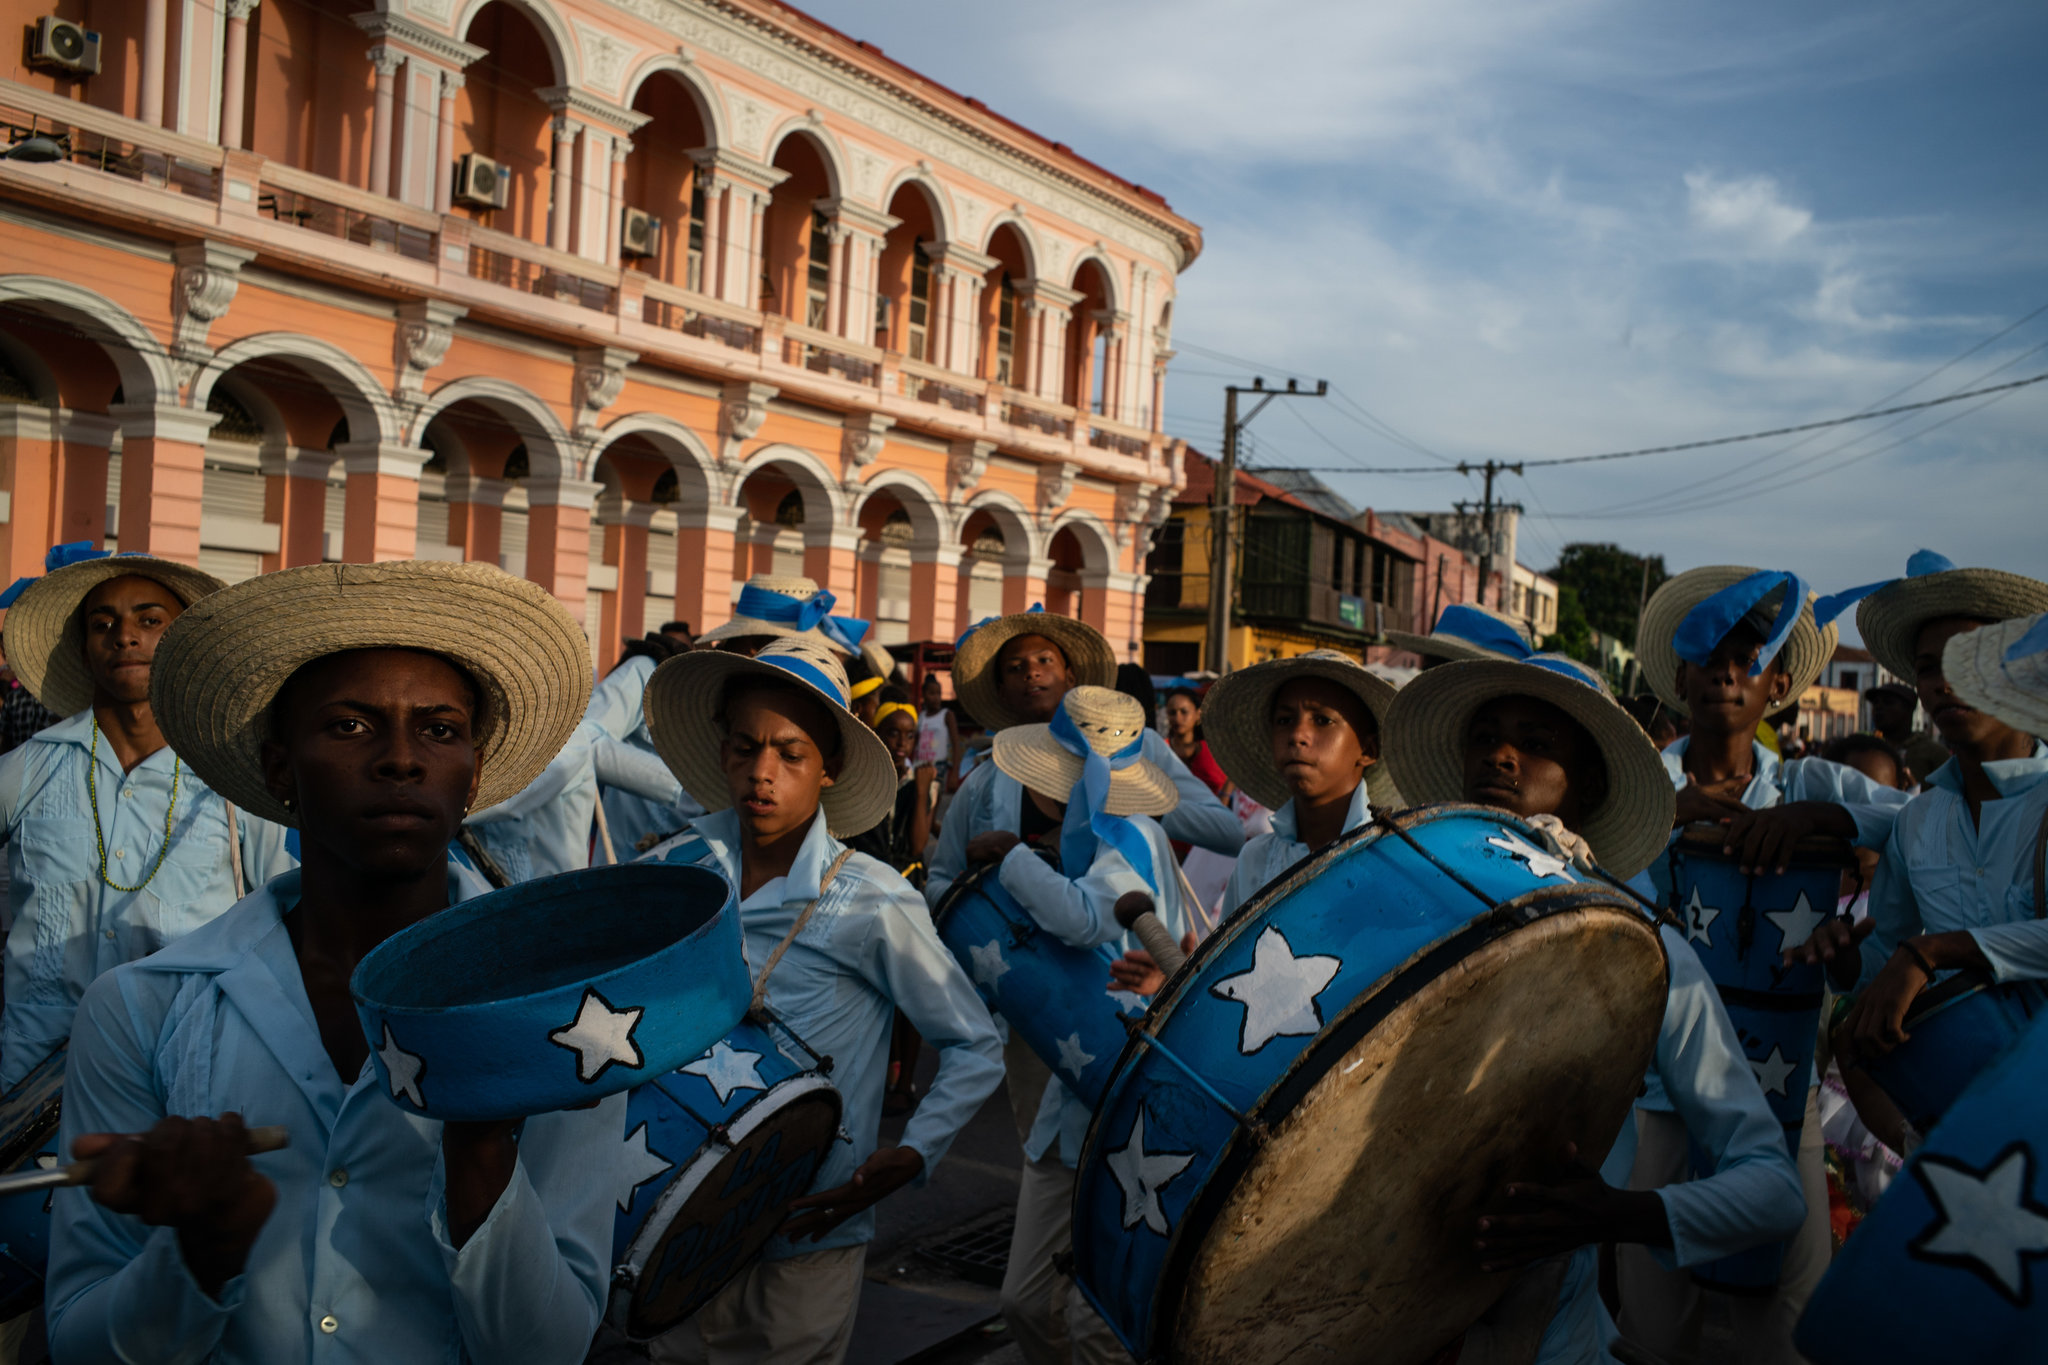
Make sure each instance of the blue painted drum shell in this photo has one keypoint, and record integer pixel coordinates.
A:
(29, 1115)
(736, 1153)
(1953, 1032)
(554, 992)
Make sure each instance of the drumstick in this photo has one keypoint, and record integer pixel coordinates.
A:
(267, 1139)
(1134, 912)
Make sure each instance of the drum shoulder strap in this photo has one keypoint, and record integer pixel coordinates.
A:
(2041, 866)
(803, 918)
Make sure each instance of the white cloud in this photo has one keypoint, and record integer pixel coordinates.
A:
(1749, 212)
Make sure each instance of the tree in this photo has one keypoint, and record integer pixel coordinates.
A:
(1609, 585)
(1574, 637)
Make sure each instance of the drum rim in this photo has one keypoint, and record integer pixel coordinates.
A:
(1357, 1019)
(43, 1124)
(1703, 840)
(741, 1126)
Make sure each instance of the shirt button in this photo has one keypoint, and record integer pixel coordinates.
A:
(110, 933)
(338, 1178)
(120, 853)
(330, 1324)
(127, 792)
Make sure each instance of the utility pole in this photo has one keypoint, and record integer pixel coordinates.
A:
(1489, 469)
(1223, 511)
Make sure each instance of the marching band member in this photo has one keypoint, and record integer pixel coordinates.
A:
(1957, 885)
(1728, 646)
(1091, 791)
(768, 745)
(115, 846)
(781, 606)
(1543, 740)
(370, 705)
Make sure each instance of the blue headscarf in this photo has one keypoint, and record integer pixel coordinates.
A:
(1708, 623)
(2033, 642)
(1481, 630)
(58, 557)
(1923, 563)
(801, 614)
(1086, 821)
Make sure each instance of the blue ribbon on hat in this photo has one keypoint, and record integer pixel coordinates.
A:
(1566, 668)
(1923, 563)
(2033, 642)
(803, 670)
(844, 631)
(1078, 835)
(58, 557)
(802, 614)
(1476, 627)
(1709, 622)
(957, 644)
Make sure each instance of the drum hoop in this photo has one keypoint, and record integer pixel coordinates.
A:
(24, 1145)
(1358, 1019)
(970, 882)
(739, 1128)
(1703, 841)
(1957, 988)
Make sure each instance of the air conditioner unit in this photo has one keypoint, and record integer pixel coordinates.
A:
(639, 233)
(481, 182)
(65, 46)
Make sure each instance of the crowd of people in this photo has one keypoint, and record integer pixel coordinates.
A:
(241, 791)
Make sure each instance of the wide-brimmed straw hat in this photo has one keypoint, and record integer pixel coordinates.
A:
(45, 632)
(1425, 747)
(1889, 618)
(785, 605)
(686, 701)
(2003, 669)
(1805, 653)
(1089, 658)
(1237, 722)
(1466, 630)
(221, 665)
(1109, 723)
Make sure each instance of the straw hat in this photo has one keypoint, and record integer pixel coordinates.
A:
(2003, 669)
(1089, 657)
(221, 664)
(1425, 747)
(45, 631)
(1461, 632)
(1806, 653)
(1109, 721)
(754, 613)
(1889, 619)
(1237, 722)
(686, 716)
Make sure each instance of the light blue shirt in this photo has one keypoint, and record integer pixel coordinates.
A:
(868, 951)
(69, 925)
(220, 1021)
(1943, 872)
(1081, 912)
(1266, 856)
(1773, 781)
(992, 799)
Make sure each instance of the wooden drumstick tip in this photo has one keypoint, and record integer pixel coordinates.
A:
(1130, 905)
(1135, 912)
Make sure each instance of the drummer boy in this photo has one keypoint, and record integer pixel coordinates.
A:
(1106, 852)
(1544, 740)
(370, 705)
(768, 745)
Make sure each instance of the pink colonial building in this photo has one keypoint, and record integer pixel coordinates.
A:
(632, 297)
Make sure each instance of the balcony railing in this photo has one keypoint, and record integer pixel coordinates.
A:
(502, 259)
(1122, 441)
(335, 210)
(1035, 415)
(695, 315)
(823, 353)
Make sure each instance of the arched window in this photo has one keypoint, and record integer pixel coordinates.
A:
(796, 251)
(903, 304)
(661, 185)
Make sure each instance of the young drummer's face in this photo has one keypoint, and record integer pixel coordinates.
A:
(1962, 725)
(1323, 739)
(1526, 756)
(376, 749)
(1722, 693)
(124, 618)
(776, 759)
(1031, 677)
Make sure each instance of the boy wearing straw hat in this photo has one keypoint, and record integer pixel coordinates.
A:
(1466, 630)
(1013, 670)
(838, 943)
(1091, 788)
(115, 847)
(370, 705)
(1959, 886)
(1544, 740)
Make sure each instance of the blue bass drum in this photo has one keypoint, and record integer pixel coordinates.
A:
(1741, 926)
(716, 1152)
(1054, 995)
(1291, 1157)
(1953, 1031)
(28, 1137)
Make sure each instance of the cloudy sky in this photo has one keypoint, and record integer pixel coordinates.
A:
(1562, 227)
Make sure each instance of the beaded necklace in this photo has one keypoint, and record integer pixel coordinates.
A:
(92, 791)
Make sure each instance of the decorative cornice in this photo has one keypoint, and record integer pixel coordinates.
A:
(396, 28)
(588, 107)
(859, 216)
(727, 164)
(966, 461)
(742, 408)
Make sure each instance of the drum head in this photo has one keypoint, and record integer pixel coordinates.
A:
(716, 1217)
(1347, 1234)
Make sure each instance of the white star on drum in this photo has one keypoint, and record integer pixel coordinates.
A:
(1699, 917)
(1129, 1002)
(1141, 1177)
(1541, 863)
(727, 1069)
(638, 1165)
(1072, 1056)
(1773, 1071)
(989, 965)
(600, 1036)
(402, 1070)
(1278, 993)
(1797, 924)
(1985, 1221)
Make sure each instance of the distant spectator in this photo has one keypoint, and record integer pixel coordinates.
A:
(1654, 716)
(1133, 681)
(1873, 756)
(1183, 715)
(1891, 716)
(681, 631)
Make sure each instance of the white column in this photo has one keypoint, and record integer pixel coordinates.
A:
(234, 72)
(835, 287)
(156, 25)
(444, 183)
(386, 61)
(561, 201)
(614, 218)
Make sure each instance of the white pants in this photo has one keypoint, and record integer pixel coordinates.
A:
(797, 1311)
(1682, 1321)
(1050, 1318)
